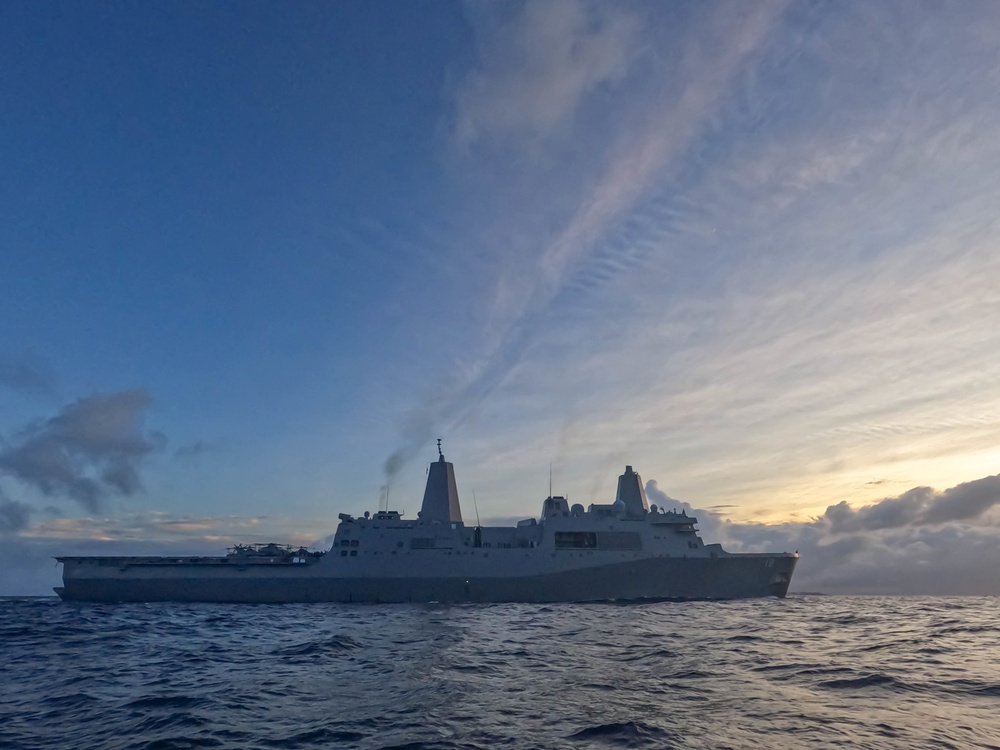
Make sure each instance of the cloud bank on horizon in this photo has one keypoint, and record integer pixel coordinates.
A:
(750, 249)
(921, 542)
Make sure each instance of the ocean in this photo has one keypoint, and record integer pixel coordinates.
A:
(804, 672)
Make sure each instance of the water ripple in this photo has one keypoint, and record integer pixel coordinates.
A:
(808, 671)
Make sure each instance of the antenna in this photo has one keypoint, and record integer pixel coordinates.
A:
(440, 454)
(477, 535)
(550, 479)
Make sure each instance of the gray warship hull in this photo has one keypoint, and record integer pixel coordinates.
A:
(624, 551)
(732, 577)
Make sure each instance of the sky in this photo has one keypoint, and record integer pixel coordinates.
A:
(256, 257)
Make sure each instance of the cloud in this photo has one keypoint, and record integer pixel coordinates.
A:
(27, 373)
(966, 501)
(775, 270)
(655, 495)
(93, 447)
(14, 516)
(537, 65)
(920, 542)
(709, 521)
(951, 558)
(673, 124)
(535, 71)
(920, 506)
(890, 513)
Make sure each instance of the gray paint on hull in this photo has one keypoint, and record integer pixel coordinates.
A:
(730, 577)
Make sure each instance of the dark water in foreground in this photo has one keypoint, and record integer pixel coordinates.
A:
(808, 671)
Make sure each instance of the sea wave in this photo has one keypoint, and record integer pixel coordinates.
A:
(807, 671)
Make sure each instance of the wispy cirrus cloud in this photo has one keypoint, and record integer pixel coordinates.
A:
(794, 299)
(682, 95)
(536, 65)
(579, 51)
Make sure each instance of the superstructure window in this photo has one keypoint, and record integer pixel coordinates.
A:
(576, 540)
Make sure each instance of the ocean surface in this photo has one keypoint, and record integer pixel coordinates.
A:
(807, 671)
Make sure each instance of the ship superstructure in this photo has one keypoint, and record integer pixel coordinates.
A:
(624, 550)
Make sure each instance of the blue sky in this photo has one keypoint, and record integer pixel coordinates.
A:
(255, 257)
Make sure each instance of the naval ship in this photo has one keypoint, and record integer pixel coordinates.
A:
(622, 551)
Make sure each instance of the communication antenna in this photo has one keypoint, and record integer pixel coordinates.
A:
(550, 479)
(440, 454)
(477, 535)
